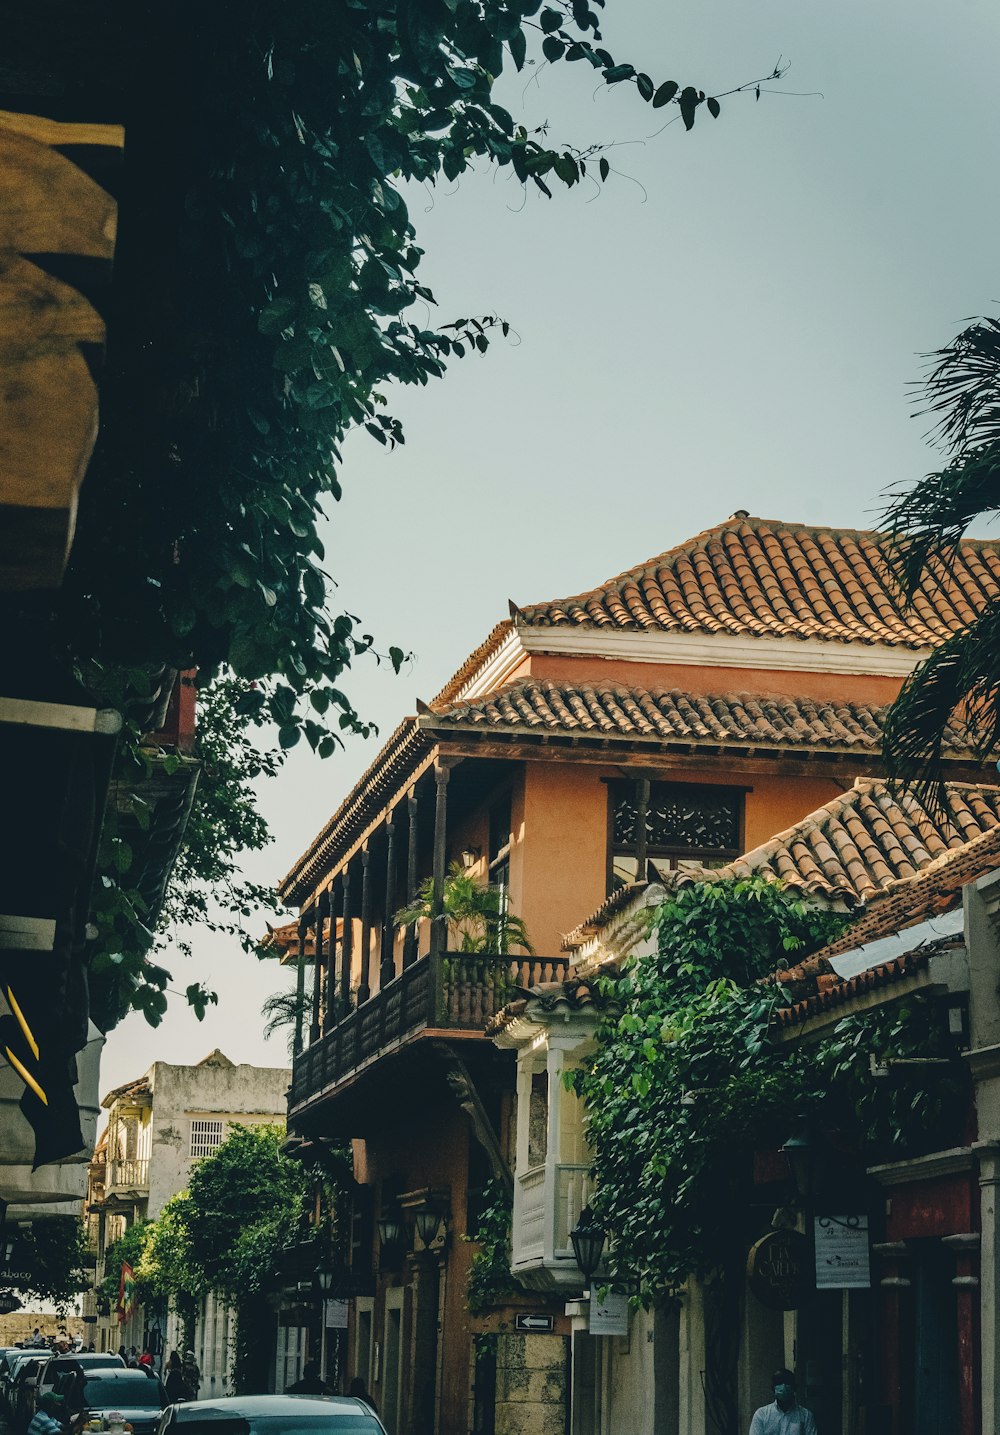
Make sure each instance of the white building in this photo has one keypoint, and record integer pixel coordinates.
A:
(158, 1127)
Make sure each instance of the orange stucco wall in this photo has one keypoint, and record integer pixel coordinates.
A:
(561, 827)
(859, 687)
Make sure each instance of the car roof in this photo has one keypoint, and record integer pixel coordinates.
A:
(115, 1372)
(248, 1405)
(90, 1357)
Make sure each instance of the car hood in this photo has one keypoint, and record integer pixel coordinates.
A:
(132, 1413)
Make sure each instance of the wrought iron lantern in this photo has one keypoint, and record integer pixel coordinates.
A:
(325, 1278)
(391, 1231)
(588, 1239)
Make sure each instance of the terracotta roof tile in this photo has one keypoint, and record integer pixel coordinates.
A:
(755, 577)
(831, 995)
(853, 851)
(665, 715)
(571, 995)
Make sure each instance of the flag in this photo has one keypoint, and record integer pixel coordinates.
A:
(126, 1293)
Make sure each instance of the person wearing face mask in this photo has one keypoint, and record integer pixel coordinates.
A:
(785, 1416)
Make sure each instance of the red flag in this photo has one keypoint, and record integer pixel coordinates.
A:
(126, 1293)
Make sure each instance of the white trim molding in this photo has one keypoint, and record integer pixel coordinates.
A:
(718, 650)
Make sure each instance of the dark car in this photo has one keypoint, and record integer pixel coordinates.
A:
(87, 1360)
(21, 1395)
(12, 1362)
(132, 1394)
(272, 1415)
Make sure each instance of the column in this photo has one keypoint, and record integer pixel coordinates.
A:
(410, 939)
(330, 997)
(314, 1026)
(641, 836)
(365, 990)
(346, 943)
(966, 1283)
(989, 1293)
(438, 924)
(388, 967)
(300, 985)
(897, 1314)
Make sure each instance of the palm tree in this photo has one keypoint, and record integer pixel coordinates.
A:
(476, 913)
(959, 684)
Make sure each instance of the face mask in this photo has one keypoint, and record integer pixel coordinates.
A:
(784, 1394)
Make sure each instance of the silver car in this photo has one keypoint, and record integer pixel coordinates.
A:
(272, 1415)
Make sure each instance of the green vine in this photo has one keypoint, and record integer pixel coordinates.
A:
(687, 1083)
(490, 1281)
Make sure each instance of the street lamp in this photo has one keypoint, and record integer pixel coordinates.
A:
(798, 1152)
(391, 1231)
(325, 1277)
(587, 1238)
(428, 1223)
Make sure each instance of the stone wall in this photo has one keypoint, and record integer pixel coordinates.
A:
(531, 1384)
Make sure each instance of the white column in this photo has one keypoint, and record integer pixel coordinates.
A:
(989, 1181)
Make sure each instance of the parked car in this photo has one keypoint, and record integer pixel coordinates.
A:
(84, 1361)
(272, 1415)
(23, 1386)
(96, 1393)
(12, 1362)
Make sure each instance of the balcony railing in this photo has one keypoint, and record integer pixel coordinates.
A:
(127, 1176)
(453, 991)
(547, 1204)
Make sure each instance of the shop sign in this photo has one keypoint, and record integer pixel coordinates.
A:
(336, 1314)
(9, 1304)
(610, 1315)
(778, 1270)
(842, 1253)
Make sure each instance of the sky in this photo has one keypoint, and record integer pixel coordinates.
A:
(732, 321)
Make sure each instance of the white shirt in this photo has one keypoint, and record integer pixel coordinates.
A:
(772, 1420)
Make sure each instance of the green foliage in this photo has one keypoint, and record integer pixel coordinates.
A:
(476, 913)
(960, 682)
(206, 889)
(490, 1281)
(53, 1251)
(686, 1084)
(130, 1249)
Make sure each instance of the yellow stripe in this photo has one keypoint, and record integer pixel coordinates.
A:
(22, 1022)
(26, 1076)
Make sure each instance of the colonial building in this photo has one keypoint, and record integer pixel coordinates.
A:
(672, 718)
(899, 865)
(158, 1127)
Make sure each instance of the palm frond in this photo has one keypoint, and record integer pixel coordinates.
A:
(963, 388)
(959, 684)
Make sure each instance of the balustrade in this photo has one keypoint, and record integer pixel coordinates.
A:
(127, 1176)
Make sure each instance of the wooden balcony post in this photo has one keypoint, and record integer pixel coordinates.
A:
(365, 989)
(410, 940)
(388, 971)
(330, 996)
(438, 924)
(314, 1027)
(346, 945)
(300, 985)
(641, 836)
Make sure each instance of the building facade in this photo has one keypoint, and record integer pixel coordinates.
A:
(673, 718)
(158, 1127)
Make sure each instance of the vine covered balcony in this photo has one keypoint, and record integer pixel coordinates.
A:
(436, 994)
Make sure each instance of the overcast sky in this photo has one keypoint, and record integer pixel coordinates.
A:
(731, 323)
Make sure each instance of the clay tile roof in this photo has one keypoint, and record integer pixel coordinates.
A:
(851, 851)
(572, 995)
(832, 995)
(662, 715)
(754, 577)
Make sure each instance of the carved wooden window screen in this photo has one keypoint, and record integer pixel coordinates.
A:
(687, 825)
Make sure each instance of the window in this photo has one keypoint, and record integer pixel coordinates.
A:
(206, 1137)
(499, 861)
(674, 824)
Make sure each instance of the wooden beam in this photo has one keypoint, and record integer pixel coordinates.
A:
(463, 1089)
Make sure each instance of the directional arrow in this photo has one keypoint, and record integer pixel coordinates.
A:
(534, 1322)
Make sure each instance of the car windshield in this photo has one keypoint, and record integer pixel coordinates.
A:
(336, 1420)
(110, 1394)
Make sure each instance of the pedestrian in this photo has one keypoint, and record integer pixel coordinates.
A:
(192, 1374)
(146, 1359)
(45, 1420)
(123, 1354)
(175, 1384)
(785, 1416)
(310, 1384)
(357, 1389)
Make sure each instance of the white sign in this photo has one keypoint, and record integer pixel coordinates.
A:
(842, 1253)
(336, 1314)
(610, 1315)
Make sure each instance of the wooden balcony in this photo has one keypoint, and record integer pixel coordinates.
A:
(548, 1200)
(127, 1179)
(453, 991)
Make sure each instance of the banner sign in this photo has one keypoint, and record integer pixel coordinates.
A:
(778, 1270)
(842, 1253)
